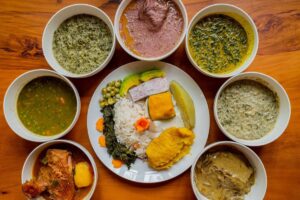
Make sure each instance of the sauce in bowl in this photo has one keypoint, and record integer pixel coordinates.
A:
(46, 106)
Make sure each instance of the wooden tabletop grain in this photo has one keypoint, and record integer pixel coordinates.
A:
(278, 23)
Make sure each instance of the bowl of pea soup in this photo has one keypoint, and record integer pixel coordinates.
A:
(41, 105)
(222, 41)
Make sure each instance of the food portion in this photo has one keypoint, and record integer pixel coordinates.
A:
(82, 43)
(145, 123)
(151, 28)
(46, 106)
(224, 174)
(169, 147)
(161, 106)
(185, 104)
(219, 43)
(61, 172)
(248, 109)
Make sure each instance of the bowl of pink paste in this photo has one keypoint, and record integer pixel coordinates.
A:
(150, 30)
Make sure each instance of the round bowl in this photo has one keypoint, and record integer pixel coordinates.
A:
(239, 15)
(118, 15)
(55, 21)
(259, 187)
(27, 171)
(284, 108)
(10, 108)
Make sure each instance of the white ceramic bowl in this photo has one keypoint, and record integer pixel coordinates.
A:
(224, 9)
(259, 188)
(121, 8)
(55, 21)
(27, 171)
(284, 108)
(10, 102)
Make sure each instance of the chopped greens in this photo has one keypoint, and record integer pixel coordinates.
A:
(82, 43)
(218, 43)
(114, 148)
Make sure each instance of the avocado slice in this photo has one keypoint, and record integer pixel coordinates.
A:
(129, 82)
(154, 73)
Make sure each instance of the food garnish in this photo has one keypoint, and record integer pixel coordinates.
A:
(161, 106)
(248, 109)
(185, 104)
(219, 43)
(40, 107)
(114, 148)
(100, 124)
(102, 141)
(82, 43)
(129, 82)
(117, 163)
(110, 93)
(153, 86)
(169, 147)
(224, 174)
(142, 124)
(83, 176)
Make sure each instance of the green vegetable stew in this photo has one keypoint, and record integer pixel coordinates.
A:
(219, 44)
(82, 43)
(46, 106)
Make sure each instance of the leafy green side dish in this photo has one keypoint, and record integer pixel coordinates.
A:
(82, 43)
(114, 148)
(218, 43)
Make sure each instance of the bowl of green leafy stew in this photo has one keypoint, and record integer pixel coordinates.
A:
(41, 105)
(79, 41)
(222, 40)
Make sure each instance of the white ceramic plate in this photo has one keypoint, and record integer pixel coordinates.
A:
(140, 171)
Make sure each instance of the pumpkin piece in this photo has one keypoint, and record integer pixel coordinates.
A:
(161, 106)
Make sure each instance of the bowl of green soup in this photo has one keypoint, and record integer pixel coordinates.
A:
(41, 105)
(222, 41)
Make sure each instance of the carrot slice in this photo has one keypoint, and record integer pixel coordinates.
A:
(117, 163)
(100, 124)
(142, 124)
(101, 141)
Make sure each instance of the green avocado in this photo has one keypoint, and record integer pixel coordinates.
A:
(154, 73)
(129, 82)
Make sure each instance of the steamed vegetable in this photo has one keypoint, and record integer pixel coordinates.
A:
(185, 104)
(115, 149)
(83, 176)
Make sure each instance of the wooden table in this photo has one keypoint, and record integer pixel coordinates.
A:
(278, 23)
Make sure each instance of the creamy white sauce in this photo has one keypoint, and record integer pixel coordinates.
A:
(247, 109)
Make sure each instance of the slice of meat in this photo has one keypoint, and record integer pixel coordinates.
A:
(55, 178)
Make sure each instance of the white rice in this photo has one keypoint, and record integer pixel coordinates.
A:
(126, 114)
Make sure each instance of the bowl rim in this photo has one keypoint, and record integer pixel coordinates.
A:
(255, 142)
(118, 15)
(197, 193)
(47, 144)
(36, 137)
(250, 58)
(109, 56)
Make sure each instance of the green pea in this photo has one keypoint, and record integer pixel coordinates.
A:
(110, 101)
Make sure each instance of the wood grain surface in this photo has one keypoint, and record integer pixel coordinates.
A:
(21, 26)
